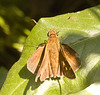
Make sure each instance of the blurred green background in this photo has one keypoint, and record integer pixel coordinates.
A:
(16, 23)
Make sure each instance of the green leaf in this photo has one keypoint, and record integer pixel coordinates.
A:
(82, 33)
(3, 74)
(83, 92)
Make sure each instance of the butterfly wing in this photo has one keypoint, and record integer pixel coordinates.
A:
(45, 68)
(54, 57)
(35, 60)
(66, 69)
(71, 56)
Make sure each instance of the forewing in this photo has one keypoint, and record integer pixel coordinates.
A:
(45, 68)
(66, 69)
(54, 47)
(35, 60)
(71, 56)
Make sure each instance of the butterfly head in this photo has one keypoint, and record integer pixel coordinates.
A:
(52, 33)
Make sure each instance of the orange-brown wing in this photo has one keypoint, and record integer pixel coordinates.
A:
(45, 68)
(35, 60)
(71, 56)
(54, 48)
(65, 68)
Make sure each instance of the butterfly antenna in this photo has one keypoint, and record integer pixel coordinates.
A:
(34, 21)
(66, 20)
(38, 24)
(64, 23)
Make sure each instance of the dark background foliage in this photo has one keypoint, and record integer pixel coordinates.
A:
(15, 22)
